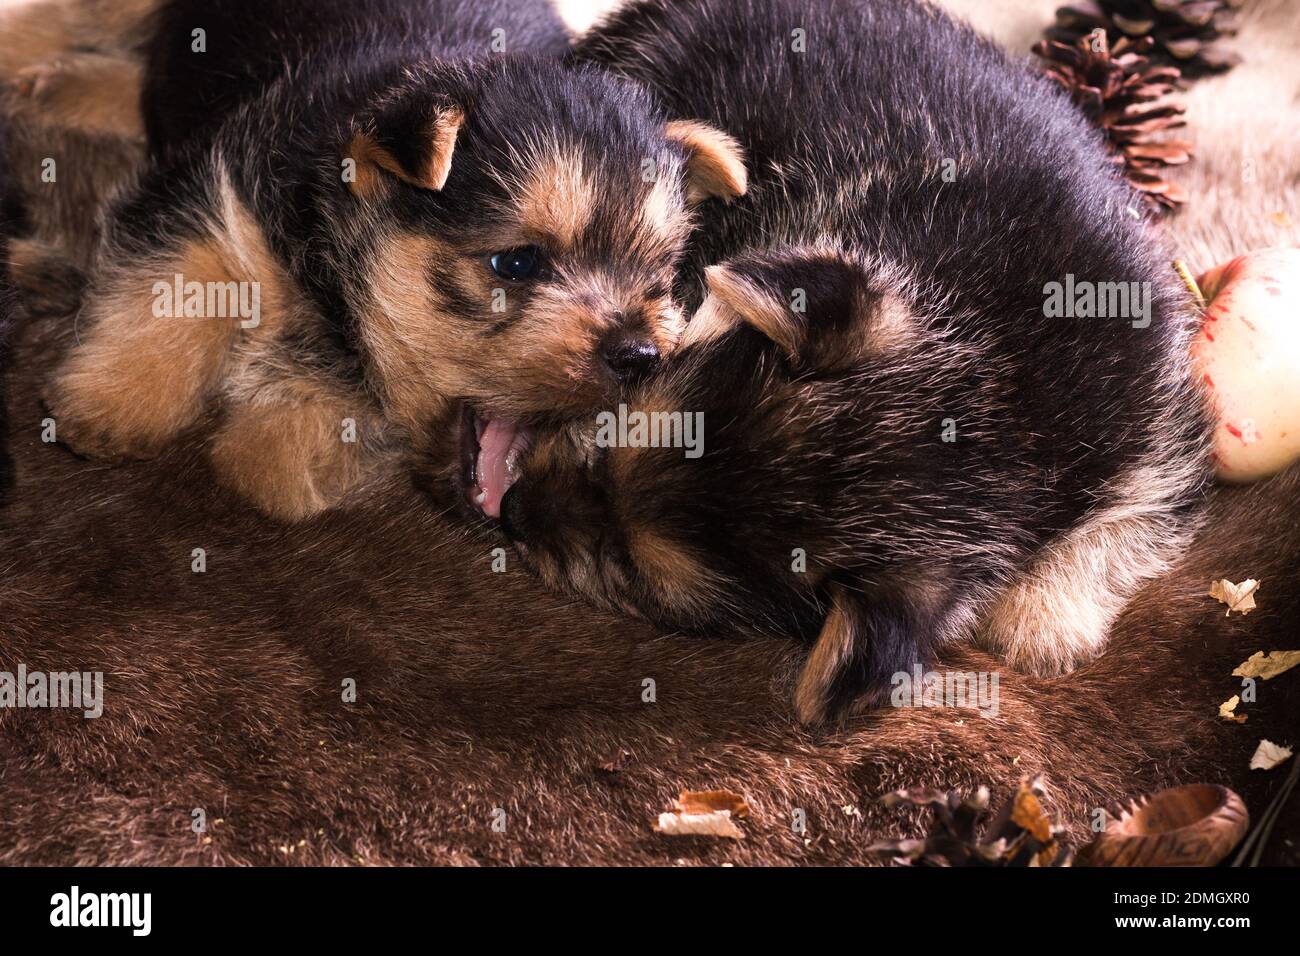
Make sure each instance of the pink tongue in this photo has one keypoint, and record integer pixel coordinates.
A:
(493, 476)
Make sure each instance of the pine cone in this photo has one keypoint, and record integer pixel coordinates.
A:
(1188, 33)
(1120, 91)
(1021, 834)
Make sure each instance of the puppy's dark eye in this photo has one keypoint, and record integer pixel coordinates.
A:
(519, 265)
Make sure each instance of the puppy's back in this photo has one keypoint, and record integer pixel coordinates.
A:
(249, 44)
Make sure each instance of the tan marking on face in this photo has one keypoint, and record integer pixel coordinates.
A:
(557, 200)
(426, 355)
(401, 332)
(564, 323)
(678, 578)
(538, 356)
(892, 321)
(628, 465)
(665, 213)
(560, 333)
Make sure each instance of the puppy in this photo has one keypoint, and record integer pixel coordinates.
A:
(369, 227)
(896, 439)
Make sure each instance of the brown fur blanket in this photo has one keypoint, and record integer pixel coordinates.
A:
(478, 691)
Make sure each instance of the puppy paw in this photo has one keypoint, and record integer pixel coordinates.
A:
(94, 432)
(1047, 631)
(290, 461)
(104, 411)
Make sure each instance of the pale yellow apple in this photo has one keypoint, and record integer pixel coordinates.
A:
(1248, 357)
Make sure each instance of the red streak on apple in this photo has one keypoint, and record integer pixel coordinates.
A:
(1250, 364)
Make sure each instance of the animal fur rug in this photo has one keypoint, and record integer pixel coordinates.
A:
(478, 692)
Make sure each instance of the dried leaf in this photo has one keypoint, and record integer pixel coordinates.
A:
(715, 824)
(1029, 815)
(709, 801)
(1173, 152)
(1227, 708)
(1268, 755)
(1267, 666)
(1238, 597)
(704, 813)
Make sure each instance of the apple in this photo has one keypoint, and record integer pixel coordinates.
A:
(1248, 357)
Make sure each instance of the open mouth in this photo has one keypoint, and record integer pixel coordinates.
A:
(491, 451)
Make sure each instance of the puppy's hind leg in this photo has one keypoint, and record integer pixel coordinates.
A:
(143, 368)
(163, 315)
(1059, 613)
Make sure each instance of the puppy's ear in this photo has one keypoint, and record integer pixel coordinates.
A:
(741, 295)
(820, 310)
(410, 138)
(866, 639)
(715, 164)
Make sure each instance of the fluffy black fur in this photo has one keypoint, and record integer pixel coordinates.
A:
(310, 44)
(1079, 444)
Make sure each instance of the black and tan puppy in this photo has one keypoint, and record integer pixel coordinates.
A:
(368, 224)
(897, 439)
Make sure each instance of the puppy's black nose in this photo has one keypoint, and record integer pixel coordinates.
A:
(629, 356)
